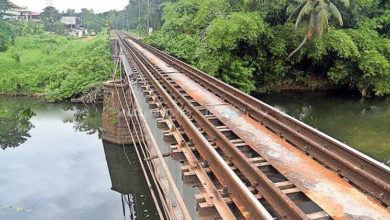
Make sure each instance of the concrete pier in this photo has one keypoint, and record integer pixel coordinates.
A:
(114, 47)
(115, 125)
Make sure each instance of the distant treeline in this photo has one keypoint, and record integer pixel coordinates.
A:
(264, 45)
(138, 14)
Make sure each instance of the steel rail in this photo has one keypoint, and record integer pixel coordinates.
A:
(365, 172)
(145, 131)
(272, 194)
(249, 206)
(150, 187)
(207, 184)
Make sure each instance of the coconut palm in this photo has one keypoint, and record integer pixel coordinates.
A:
(318, 13)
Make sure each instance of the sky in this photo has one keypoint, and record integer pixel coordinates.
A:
(62, 5)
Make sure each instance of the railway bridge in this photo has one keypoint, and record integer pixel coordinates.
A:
(246, 159)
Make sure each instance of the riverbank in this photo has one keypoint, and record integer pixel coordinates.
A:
(34, 95)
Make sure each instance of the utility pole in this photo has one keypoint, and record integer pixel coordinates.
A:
(128, 17)
(139, 17)
(148, 18)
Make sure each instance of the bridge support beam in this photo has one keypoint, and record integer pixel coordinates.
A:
(114, 47)
(115, 126)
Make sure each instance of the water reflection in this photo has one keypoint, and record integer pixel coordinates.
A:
(14, 122)
(361, 123)
(16, 114)
(55, 166)
(86, 118)
(127, 179)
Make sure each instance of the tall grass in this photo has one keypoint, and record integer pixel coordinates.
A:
(61, 67)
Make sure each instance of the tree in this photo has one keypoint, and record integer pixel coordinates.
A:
(70, 12)
(51, 17)
(3, 6)
(318, 13)
(50, 14)
(91, 21)
(6, 35)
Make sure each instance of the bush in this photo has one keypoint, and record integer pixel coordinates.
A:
(61, 67)
(246, 44)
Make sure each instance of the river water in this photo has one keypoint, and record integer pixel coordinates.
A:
(53, 164)
(363, 124)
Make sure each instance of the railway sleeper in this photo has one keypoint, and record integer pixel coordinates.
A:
(289, 189)
(207, 209)
(168, 135)
(178, 154)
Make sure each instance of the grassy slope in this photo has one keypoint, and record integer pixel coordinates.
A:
(58, 66)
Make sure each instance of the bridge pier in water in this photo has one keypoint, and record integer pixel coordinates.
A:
(116, 123)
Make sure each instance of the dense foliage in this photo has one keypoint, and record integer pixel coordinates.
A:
(50, 18)
(61, 67)
(247, 42)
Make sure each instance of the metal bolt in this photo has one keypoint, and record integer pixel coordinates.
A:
(225, 191)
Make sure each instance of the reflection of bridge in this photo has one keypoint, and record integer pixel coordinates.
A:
(246, 158)
(127, 179)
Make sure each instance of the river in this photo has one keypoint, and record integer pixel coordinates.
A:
(363, 124)
(53, 164)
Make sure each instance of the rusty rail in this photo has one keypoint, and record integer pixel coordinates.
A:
(248, 204)
(365, 172)
(196, 166)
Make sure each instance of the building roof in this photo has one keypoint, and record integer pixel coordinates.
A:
(13, 5)
(69, 20)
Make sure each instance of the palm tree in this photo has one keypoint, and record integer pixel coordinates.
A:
(318, 13)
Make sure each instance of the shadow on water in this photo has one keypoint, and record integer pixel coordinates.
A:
(364, 124)
(127, 179)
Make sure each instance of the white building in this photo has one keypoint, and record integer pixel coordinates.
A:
(71, 22)
(14, 12)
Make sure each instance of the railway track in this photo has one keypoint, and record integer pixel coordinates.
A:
(242, 178)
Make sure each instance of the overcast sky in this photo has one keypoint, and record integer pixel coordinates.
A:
(62, 5)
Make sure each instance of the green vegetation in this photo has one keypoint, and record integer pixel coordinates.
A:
(247, 42)
(61, 67)
(319, 13)
(50, 18)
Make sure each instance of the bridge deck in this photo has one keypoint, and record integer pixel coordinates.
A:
(333, 194)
